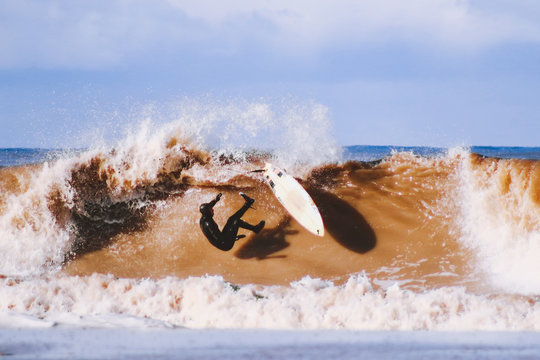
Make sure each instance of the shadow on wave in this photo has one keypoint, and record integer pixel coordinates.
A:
(346, 225)
(341, 220)
(267, 242)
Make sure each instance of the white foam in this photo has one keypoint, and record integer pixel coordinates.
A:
(22, 320)
(211, 302)
(31, 241)
(502, 227)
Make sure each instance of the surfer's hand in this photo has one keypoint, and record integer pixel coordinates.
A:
(218, 196)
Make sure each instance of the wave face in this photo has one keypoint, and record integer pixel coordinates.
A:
(428, 239)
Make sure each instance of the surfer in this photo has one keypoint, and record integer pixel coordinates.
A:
(225, 239)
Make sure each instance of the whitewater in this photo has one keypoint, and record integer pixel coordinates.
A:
(417, 238)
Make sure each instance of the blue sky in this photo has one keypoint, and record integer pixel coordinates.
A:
(414, 72)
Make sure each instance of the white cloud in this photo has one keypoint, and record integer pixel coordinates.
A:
(318, 23)
(81, 34)
(104, 33)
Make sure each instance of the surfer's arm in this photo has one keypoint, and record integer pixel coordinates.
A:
(214, 202)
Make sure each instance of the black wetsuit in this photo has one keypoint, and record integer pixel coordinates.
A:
(225, 239)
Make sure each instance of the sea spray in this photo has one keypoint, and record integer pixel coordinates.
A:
(500, 219)
(296, 133)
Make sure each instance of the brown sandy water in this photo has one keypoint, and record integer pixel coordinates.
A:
(396, 219)
(384, 219)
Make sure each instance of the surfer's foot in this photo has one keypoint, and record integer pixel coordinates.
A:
(247, 198)
(259, 227)
(238, 237)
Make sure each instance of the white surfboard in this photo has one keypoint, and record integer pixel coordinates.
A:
(294, 199)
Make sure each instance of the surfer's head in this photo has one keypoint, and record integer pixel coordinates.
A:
(206, 209)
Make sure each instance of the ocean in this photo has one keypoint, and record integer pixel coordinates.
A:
(424, 246)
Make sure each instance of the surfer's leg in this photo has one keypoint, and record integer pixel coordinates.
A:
(230, 230)
(244, 208)
(254, 228)
(234, 224)
(247, 198)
